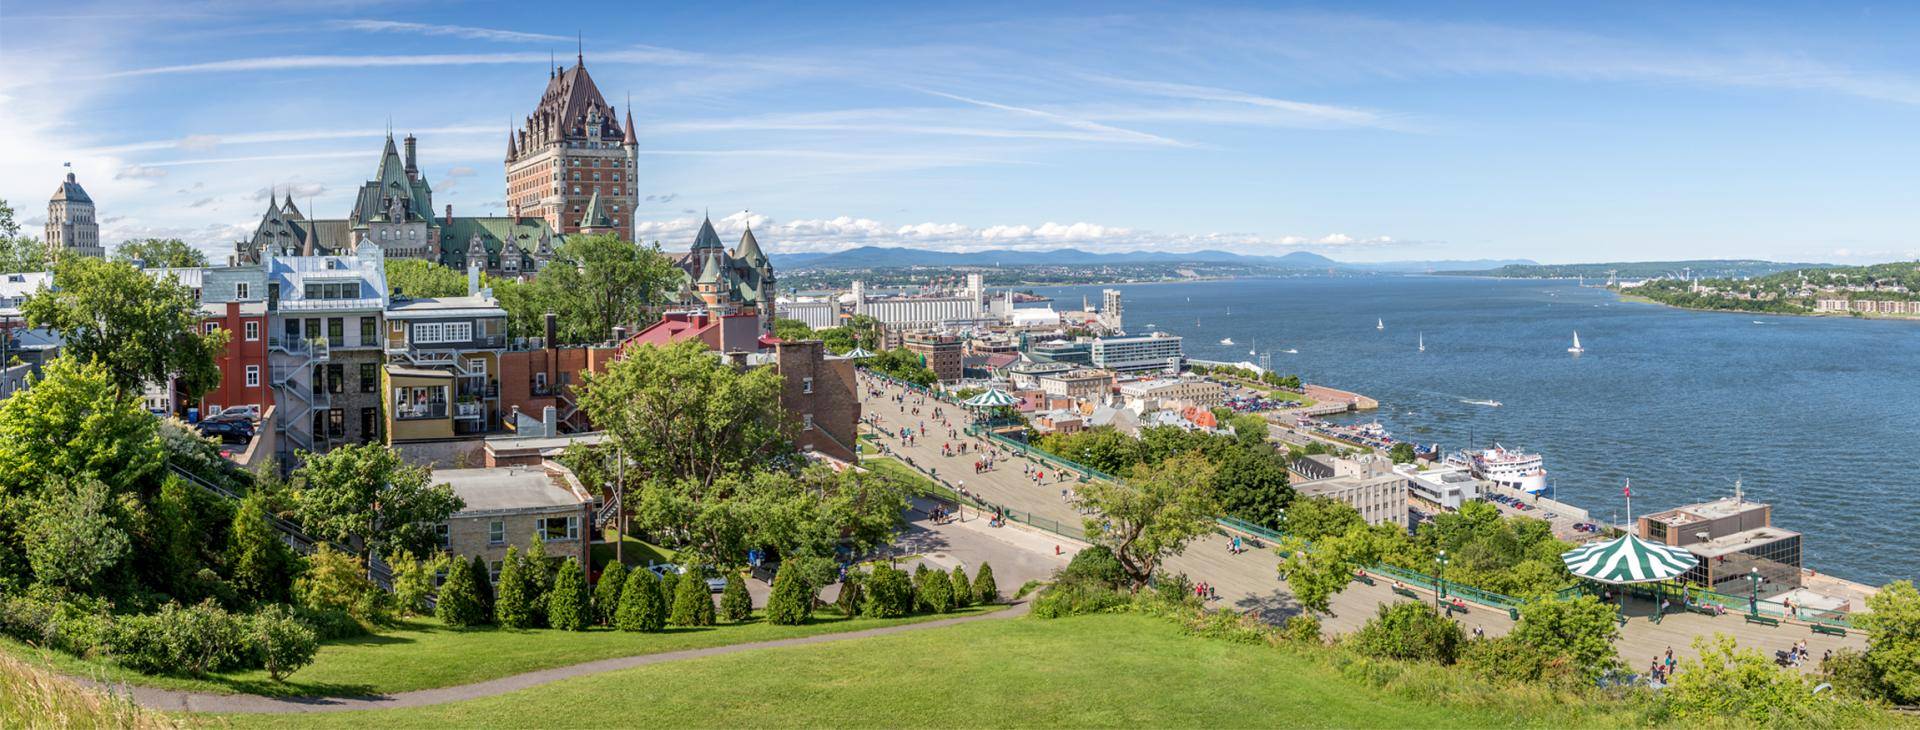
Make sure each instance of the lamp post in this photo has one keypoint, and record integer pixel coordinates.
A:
(1753, 603)
(1441, 590)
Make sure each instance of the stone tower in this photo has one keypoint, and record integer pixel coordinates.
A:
(572, 148)
(71, 226)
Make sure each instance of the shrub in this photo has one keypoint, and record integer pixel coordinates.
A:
(853, 593)
(1095, 564)
(282, 645)
(984, 589)
(1302, 629)
(329, 624)
(203, 638)
(960, 587)
(692, 602)
(483, 585)
(606, 594)
(74, 624)
(888, 594)
(537, 570)
(1727, 682)
(642, 607)
(937, 592)
(669, 583)
(1411, 631)
(261, 564)
(736, 604)
(513, 598)
(336, 581)
(792, 601)
(568, 606)
(1511, 660)
(1849, 671)
(1076, 598)
(412, 580)
(459, 604)
(1582, 629)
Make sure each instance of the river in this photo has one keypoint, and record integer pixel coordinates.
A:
(1813, 415)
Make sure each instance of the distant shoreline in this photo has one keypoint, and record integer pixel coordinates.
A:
(1625, 297)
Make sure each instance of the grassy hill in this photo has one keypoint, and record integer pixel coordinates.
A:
(1110, 670)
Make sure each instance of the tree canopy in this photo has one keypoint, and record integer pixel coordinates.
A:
(679, 413)
(156, 253)
(792, 329)
(141, 328)
(593, 284)
(19, 253)
(365, 494)
(1153, 514)
(424, 279)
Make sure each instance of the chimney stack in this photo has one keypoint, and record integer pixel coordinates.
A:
(547, 419)
(552, 327)
(413, 172)
(449, 211)
(473, 279)
(619, 335)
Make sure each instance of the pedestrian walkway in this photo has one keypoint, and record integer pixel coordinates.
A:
(1250, 580)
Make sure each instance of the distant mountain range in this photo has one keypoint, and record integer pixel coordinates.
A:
(879, 257)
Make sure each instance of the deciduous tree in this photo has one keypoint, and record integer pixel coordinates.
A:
(681, 414)
(365, 493)
(159, 253)
(74, 421)
(1892, 622)
(1153, 514)
(260, 563)
(141, 328)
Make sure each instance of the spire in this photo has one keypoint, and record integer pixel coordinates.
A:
(594, 217)
(710, 271)
(631, 139)
(749, 250)
(552, 70)
(512, 150)
(706, 238)
(580, 58)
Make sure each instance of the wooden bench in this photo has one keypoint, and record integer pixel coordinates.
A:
(1829, 630)
(1762, 620)
(1405, 591)
(1367, 579)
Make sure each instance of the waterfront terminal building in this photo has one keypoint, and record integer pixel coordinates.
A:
(1734, 539)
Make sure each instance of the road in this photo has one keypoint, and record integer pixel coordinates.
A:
(1250, 581)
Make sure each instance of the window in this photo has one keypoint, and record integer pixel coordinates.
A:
(240, 291)
(477, 366)
(558, 528)
(497, 532)
(253, 331)
(336, 378)
(806, 385)
(413, 402)
(369, 377)
(807, 421)
(336, 331)
(213, 327)
(540, 383)
(429, 332)
(368, 330)
(336, 423)
(442, 535)
(253, 376)
(493, 571)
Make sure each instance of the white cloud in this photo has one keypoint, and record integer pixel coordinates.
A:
(139, 172)
(843, 232)
(456, 31)
(299, 191)
(1103, 131)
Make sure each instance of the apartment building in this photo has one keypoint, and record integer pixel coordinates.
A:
(325, 348)
(443, 365)
(1158, 351)
(942, 353)
(235, 300)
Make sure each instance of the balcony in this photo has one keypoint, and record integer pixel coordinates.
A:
(422, 411)
(469, 411)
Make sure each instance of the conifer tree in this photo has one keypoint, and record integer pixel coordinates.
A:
(692, 603)
(792, 601)
(483, 585)
(513, 599)
(962, 589)
(736, 605)
(262, 564)
(459, 602)
(606, 595)
(568, 608)
(642, 608)
(984, 589)
(936, 593)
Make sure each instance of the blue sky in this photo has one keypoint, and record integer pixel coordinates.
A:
(1364, 132)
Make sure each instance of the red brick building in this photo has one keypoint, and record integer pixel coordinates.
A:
(244, 376)
(573, 163)
(822, 396)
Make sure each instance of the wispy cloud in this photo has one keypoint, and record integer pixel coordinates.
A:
(139, 172)
(207, 141)
(640, 55)
(260, 158)
(455, 31)
(1107, 131)
(1304, 111)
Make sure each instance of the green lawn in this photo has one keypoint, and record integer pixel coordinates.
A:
(1115, 670)
(633, 551)
(424, 654)
(890, 466)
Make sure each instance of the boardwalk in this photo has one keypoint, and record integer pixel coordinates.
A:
(1250, 581)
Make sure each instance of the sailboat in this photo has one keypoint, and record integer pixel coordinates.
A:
(1423, 342)
(1379, 324)
(1576, 348)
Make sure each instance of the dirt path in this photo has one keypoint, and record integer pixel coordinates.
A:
(178, 701)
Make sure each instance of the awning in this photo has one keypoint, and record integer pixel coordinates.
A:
(1628, 559)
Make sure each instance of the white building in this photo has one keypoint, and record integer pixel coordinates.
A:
(817, 313)
(1447, 486)
(71, 226)
(1380, 499)
(923, 312)
(1158, 351)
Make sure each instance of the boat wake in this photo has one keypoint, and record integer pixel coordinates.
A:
(1487, 403)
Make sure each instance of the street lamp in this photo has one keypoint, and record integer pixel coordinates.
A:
(1441, 579)
(1753, 603)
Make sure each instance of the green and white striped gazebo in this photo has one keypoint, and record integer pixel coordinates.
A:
(1628, 559)
(994, 398)
(857, 352)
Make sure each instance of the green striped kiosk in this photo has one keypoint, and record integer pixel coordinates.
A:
(1628, 559)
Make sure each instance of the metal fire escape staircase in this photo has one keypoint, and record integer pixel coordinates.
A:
(298, 392)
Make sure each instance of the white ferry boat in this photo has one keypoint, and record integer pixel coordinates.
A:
(1515, 469)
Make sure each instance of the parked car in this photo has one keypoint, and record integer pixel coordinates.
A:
(228, 431)
(233, 413)
(714, 584)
